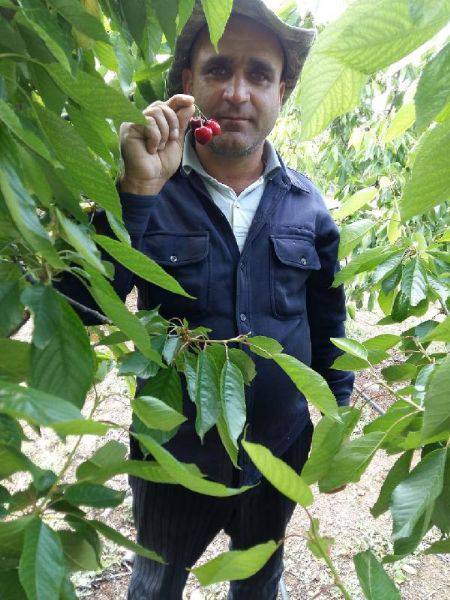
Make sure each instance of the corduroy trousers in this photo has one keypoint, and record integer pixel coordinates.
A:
(179, 524)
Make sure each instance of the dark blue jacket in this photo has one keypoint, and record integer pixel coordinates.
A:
(279, 286)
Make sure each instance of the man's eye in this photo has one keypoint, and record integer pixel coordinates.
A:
(218, 71)
(259, 76)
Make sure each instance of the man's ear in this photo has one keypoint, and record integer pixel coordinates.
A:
(186, 78)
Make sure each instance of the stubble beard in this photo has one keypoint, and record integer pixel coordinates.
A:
(226, 151)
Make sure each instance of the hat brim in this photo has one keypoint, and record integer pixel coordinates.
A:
(295, 41)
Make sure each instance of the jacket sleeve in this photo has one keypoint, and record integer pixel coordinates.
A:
(327, 312)
(136, 212)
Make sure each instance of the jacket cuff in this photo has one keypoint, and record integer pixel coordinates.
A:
(136, 211)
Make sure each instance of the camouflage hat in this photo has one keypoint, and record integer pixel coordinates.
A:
(295, 41)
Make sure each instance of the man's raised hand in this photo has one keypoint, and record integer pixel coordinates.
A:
(153, 152)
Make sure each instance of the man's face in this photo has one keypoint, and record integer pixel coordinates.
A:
(239, 86)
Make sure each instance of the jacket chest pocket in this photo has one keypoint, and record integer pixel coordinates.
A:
(291, 262)
(186, 257)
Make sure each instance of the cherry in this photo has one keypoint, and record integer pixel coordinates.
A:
(203, 135)
(196, 122)
(214, 126)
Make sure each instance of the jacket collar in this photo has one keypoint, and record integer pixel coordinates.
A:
(275, 167)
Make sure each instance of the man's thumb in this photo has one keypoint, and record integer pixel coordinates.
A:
(184, 116)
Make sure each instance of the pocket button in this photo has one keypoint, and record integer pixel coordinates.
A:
(174, 258)
(303, 261)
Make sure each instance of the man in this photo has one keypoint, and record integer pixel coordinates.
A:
(253, 241)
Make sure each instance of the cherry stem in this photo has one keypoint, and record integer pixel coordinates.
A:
(201, 114)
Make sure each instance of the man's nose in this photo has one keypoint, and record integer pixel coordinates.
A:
(237, 90)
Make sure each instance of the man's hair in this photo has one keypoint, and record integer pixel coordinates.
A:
(195, 44)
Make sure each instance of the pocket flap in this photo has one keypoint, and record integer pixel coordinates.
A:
(296, 252)
(176, 249)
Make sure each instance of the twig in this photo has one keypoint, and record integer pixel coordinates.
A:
(91, 311)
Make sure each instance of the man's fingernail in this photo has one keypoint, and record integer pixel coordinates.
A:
(175, 133)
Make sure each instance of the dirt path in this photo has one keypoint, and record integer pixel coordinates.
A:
(344, 516)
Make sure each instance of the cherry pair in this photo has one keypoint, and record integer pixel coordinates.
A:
(204, 129)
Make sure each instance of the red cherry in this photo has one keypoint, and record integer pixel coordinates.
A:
(203, 135)
(196, 122)
(214, 126)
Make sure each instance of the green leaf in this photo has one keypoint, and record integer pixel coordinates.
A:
(82, 171)
(429, 183)
(91, 92)
(415, 494)
(22, 209)
(141, 264)
(374, 580)
(135, 363)
(403, 372)
(80, 427)
(144, 469)
(436, 418)
(382, 342)
(35, 15)
(11, 309)
(352, 235)
(166, 386)
(120, 540)
(401, 121)
(23, 133)
(439, 547)
(10, 586)
(228, 443)
(93, 494)
(370, 36)
(11, 538)
(365, 261)
(317, 544)
(414, 283)
(44, 303)
(113, 307)
(92, 129)
(279, 474)
(264, 346)
(15, 363)
(81, 242)
(354, 203)
(66, 365)
(397, 473)
(328, 88)
(34, 406)
(327, 439)
(440, 515)
(232, 400)
(433, 89)
(156, 414)
(206, 398)
(351, 461)
(310, 384)
(166, 12)
(352, 347)
(441, 333)
(183, 475)
(185, 8)
(41, 568)
(111, 452)
(10, 431)
(78, 552)
(235, 564)
(74, 12)
(217, 15)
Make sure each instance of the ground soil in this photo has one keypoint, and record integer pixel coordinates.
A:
(345, 516)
